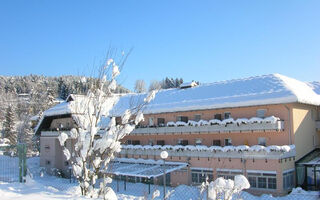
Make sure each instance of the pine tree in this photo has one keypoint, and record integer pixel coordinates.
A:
(9, 125)
(50, 97)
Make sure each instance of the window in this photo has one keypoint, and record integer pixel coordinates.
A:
(228, 174)
(195, 177)
(182, 119)
(118, 120)
(262, 180)
(47, 148)
(161, 121)
(197, 118)
(218, 116)
(272, 183)
(160, 142)
(48, 162)
(227, 142)
(261, 113)
(227, 115)
(198, 141)
(183, 142)
(216, 143)
(288, 178)
(135, 142)
(150, 142)
(199, 175)
(151, 121)
(262, 141)
(253, 182)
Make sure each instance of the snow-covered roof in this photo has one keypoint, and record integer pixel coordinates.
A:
(188, 84)
(258, 90)
(59, 109)
(315, 85)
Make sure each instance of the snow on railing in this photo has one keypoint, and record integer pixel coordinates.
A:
(239, 121)
(241, 148)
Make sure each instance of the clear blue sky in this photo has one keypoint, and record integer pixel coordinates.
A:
(197, 40)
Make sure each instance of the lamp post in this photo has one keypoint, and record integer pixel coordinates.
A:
(164, 156)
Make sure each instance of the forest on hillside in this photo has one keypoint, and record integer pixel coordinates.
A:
(22, 97)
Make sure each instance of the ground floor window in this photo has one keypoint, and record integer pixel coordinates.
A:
(288, 178)
(199, 176)
(263, 180)
(228, 174)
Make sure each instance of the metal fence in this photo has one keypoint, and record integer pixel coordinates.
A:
(13, 165)
(145, 191)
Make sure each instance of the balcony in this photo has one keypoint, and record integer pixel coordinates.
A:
(318, 125)
(257, 151)
(50, 133)
(218, 128)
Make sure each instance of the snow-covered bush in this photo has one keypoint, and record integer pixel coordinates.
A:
(227, 189)
(96, 145)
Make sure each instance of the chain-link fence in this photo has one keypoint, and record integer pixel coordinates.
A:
(13, 165)
(145, 191)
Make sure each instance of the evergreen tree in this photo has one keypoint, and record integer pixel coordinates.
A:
(9, 125)
(50, 97)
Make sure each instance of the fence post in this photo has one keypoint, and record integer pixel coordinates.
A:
(125, 183)
(18, 147)
(24, 161)
(117, 184)
(149, 182)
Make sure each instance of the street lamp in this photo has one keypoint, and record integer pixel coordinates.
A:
(164, 156)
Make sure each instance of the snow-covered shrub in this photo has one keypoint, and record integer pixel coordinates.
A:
(193, 123)
(271, 119)
(96, 144)
(215, 122)
(227, 189)
(255, 120)
(227, 121)
(240, 121)
(203, 122)
(180, 123)
(171, 124)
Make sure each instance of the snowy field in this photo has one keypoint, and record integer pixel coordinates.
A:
(49, 187)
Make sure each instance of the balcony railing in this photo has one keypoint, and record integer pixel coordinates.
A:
(53, 133)
(257, 151)
(250, 127)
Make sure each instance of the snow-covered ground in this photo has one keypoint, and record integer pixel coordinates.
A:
(49, 187)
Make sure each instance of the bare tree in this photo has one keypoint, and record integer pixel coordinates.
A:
(154, 85)
(140, 86)
(96, 145)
